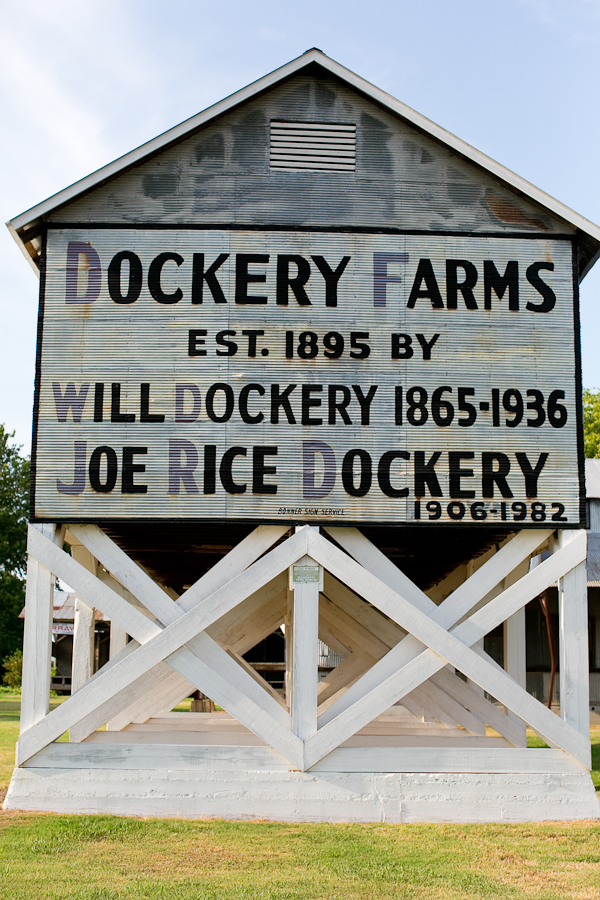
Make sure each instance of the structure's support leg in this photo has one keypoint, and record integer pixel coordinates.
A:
(37, 641)
(515, 660)
(289, 647)
(118, 640)
(305, 663)
(83, 636)
(573, 647)
(83, 644)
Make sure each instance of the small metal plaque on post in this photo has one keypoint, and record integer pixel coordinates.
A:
(306, 574)
(306, 571)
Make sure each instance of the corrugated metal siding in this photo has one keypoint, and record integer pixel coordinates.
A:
(402, 180)
(146, 342)
(593, 560)
(320, 146)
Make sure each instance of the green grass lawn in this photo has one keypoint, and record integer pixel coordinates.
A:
(51, 857)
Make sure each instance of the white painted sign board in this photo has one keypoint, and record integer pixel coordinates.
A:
(307, 375)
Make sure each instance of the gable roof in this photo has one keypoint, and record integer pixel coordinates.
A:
(29, 224)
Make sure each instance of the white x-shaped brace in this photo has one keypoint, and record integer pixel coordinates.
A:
(433, 640)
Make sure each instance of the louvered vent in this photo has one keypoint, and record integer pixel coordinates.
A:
(320, 146)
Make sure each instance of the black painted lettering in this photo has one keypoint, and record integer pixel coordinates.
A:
(383, 473)
(281, 399)
(155, 274)
(457, 473)
(402, 346)
(339, 406)
(99, 402)
(252, 335)
(494, 281)
(491, 476)
(531, 473)
(108, 457)
(134, 286)
(130, 468)
(145, 414)
(425, 286)
(199, 276)
(115, 406)
(210, 469)
(226, 471)
(196, 341)
(365, 473)
(243, 277)
(426, 345)
(296, 282)
(209, 403)
(365, 401)
(260, 470)
(309, 403)
(231, 348)
(541, 287)
(453, 285)
(425, 475)
(247, 417)
(331, 276)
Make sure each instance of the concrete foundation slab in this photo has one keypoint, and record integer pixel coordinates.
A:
(306, 797)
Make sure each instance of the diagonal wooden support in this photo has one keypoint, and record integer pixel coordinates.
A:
(452, 609)
(416, 664)
(238, 631)
(247, 551)
(359, 623)
(345, 674)
(167, 644)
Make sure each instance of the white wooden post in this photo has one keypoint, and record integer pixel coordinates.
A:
(306, 581)
(515, 648)
(118, 640)
(573, 646)
(83, 644)
(37, 640)
(289, 648)
(83, 636)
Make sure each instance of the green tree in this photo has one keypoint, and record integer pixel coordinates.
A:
(591, 423)
(14, 508)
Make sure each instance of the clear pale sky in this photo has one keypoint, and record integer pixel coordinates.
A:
(83, 83)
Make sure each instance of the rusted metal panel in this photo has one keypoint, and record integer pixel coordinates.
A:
(307, 375)
(403, 178)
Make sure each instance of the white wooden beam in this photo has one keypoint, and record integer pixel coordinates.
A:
(573, 646)
(118, 640)
(99, 693)
(424, 631)
(305, 664)
(343, 675)
(37, 639)
(171, 690)
(515, 647)
(238, 636)
(476, 703)
(82, 667)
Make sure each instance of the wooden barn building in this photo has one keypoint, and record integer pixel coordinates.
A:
(308, 373)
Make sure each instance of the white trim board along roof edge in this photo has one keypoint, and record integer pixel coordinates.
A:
(22, 224)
